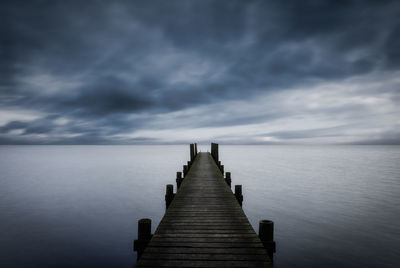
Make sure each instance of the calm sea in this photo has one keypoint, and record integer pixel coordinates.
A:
(78, 206)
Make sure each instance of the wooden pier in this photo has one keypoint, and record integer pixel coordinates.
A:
(204, 224)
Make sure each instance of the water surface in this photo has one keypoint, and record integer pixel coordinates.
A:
(333, 206)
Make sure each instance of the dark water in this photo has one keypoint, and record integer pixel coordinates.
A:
(78, 206)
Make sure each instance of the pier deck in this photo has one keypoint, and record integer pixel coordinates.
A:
(204, 226)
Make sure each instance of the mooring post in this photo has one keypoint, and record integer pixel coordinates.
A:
(189, 164)
(266, 234)
(169, 195)
(221, 167)
(185, 170)
(228, 178)
(144, 236)
(195, 149)
(214, 152)
(192, 152)
(179, 179)
(219, 164)
(238, 194)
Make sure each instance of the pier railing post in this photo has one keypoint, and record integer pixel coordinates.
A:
(192, 153)
(169, 195)
(228, 178)
(238, 194)
(214, 152)
(266, 234)
(144, 236)
(179, 179)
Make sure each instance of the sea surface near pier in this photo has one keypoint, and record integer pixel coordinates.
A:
(78, 206)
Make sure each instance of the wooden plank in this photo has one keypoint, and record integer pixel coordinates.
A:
(228, 251)
(204, 235)
(206, 221)
(205, 257)
(207, 244)
(205, 231)
(185, 227)
(247, 239)
(204, 224)
(205, 264)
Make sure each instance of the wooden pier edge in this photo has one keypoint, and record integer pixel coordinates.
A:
(204, 224)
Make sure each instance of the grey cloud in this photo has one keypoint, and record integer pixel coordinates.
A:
(308, 133)
(392, 46)
(13, 125)
(106, 97)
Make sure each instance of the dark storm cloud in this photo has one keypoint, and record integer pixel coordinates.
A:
(101, 62)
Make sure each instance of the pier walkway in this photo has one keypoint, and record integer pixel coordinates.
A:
(204, 225)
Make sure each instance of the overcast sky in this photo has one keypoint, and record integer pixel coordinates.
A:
(241, 72)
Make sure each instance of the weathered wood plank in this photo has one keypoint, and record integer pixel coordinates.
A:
(204, 224)
(219, 221)
(207, 244)
(205, 231)
(204, 257)
(194, 263)
(215, 228)
(228, 251)
(206, 239)
(204, 235)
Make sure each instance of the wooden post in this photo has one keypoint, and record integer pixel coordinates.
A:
(179, 179)
(189, 164)
(169, 195)
(238, 194)
(219, 164)
(144, 236)
(214, 152)
(228, 179)
(192, 152)
(266, 234)
(185, 170)
(221, 167)
(195, 149)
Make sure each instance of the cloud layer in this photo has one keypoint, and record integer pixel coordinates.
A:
(127, 72)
